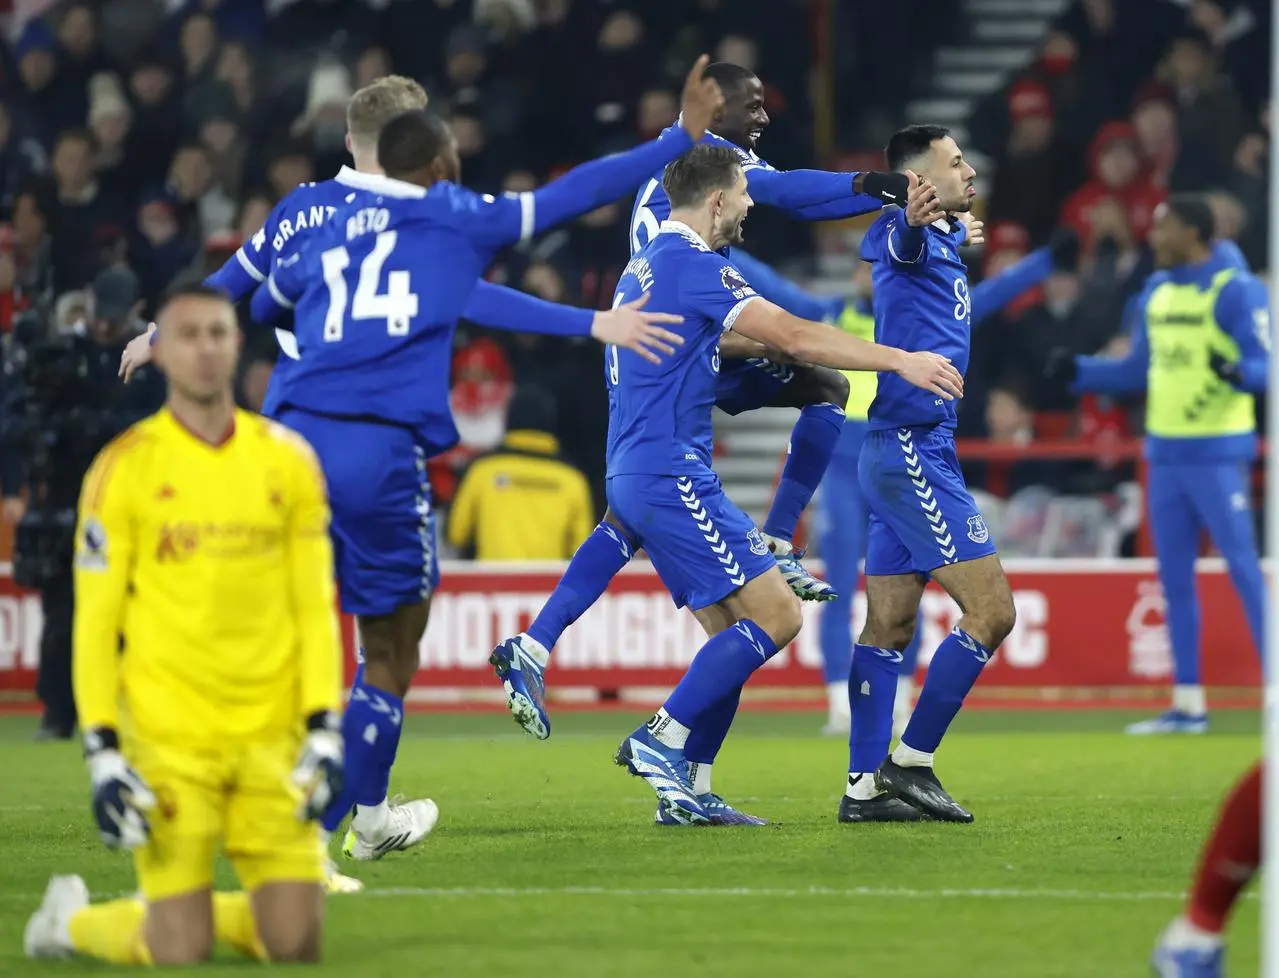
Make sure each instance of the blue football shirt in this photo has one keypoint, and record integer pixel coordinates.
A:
(659, 415)
(921, 304)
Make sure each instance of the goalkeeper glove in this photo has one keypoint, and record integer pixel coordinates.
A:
(891, 188)
(1227, 370)
(319, 772)
(121, 798)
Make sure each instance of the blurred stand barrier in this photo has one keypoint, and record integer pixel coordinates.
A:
(1088, 632)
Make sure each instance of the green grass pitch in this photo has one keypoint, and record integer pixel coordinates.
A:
(546, 862)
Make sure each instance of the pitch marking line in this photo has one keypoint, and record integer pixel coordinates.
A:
(772, 893)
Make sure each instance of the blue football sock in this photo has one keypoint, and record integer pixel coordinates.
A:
(722, 665)
(956, 665)
(872, 689)
(596, 562)
(705, 740)
(370, 734)
(812, 442)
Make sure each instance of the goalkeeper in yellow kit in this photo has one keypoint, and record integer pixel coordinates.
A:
(207, 669)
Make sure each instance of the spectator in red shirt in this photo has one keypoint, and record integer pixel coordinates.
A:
(1117, 176)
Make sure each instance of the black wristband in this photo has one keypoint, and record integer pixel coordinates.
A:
(891, 188)
(99, 739)
(328, 720)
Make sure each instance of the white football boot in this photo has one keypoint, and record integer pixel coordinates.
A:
(406, 823)
(48, 931)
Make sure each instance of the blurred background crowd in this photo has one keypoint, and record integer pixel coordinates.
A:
(142, 140)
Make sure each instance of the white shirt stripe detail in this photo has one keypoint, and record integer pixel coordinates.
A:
(528, 215)
(893, 251)
(276, 294)
(737, 311)
(248, 266)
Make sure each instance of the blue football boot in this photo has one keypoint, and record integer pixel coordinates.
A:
(720, 812)
(1171, 722)
(666, 771)
(804, 584)
(519, 662)
(1181, 955)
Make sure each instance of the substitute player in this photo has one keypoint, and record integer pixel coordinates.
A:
(203, 544)
(1199, 350)
(747, 381)
(661, 486)
(923, 521)
(377, 295)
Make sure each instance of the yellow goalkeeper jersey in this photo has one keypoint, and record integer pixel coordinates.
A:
(205, 607)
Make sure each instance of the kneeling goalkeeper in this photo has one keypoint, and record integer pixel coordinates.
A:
(207, 670)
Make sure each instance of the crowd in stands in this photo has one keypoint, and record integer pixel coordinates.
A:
(157, 134)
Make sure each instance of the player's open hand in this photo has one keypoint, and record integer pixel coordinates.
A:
(922, 205)
(976, 229)
(628, 327)
(137, 352)
(933, 372)
(701, 100)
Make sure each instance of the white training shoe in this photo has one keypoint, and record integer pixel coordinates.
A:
(48, 931)
(407, 823)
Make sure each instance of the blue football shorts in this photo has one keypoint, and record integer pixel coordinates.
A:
(701, 545)
(921, 514)
(745, 385)
(384, 534)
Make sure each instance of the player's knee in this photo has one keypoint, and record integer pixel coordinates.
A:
(180, 946)
(998, 620)
(830, 387)
(887, 631)
(781, 618)
(297, 944)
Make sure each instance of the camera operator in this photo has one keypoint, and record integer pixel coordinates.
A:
(62, 404)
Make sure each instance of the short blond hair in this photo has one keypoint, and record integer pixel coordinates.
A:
(377, 103)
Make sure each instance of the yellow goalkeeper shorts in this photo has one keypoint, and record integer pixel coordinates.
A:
(239, 799)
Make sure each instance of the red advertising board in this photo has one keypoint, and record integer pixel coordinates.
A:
(1080, 623)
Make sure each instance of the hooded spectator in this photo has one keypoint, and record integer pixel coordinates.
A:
(110, 119)
(52, 102)
(323, 122)
(1249, 181)
(80, 52)
(34, 210)
(1036, 169)
(1118, 175)
(208, 209)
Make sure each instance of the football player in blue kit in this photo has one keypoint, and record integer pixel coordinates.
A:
(748, 380)
(293, 220)
(376, 295)
(661, 486)
(923, 521)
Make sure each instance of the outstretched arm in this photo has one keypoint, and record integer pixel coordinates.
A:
(1115, 375)
(991, 295)
(816, 195)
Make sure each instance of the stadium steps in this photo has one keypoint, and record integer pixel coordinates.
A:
(1003, 38)
(751, 447)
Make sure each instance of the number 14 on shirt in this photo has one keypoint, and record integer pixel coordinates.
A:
(396, 306)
